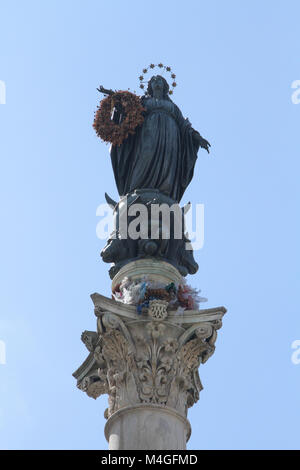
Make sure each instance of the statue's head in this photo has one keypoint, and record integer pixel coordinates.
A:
(158, 85)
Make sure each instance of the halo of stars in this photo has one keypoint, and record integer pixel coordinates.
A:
(163, 67)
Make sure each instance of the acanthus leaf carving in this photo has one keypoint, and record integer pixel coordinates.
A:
(148, 362)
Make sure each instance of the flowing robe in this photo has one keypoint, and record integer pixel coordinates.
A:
(160, 155)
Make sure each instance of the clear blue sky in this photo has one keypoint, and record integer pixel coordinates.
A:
(235, 63)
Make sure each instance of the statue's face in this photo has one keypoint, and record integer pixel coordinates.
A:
(157, 85)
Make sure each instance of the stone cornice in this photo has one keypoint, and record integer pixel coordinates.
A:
(129, 311)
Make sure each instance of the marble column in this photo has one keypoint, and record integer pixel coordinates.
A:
(147, 364)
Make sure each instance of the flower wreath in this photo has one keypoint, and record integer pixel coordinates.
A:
(132, 111)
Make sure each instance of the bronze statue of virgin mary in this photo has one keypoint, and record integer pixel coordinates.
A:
(152, 165)
(163, 151)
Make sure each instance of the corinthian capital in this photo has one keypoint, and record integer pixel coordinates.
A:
(152, 358)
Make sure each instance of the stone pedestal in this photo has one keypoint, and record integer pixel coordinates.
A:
(147, 364)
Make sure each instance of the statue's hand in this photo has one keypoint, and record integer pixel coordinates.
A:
(203, 143)
(103, 90)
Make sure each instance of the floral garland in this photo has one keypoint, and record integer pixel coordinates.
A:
(162, 67)
(141, 292)
(132, 111)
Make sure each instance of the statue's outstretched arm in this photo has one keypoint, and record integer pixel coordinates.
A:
(105, 91)
(199, 140)
(117, 114)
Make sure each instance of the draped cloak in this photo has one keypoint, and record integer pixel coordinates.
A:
(160, 155)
